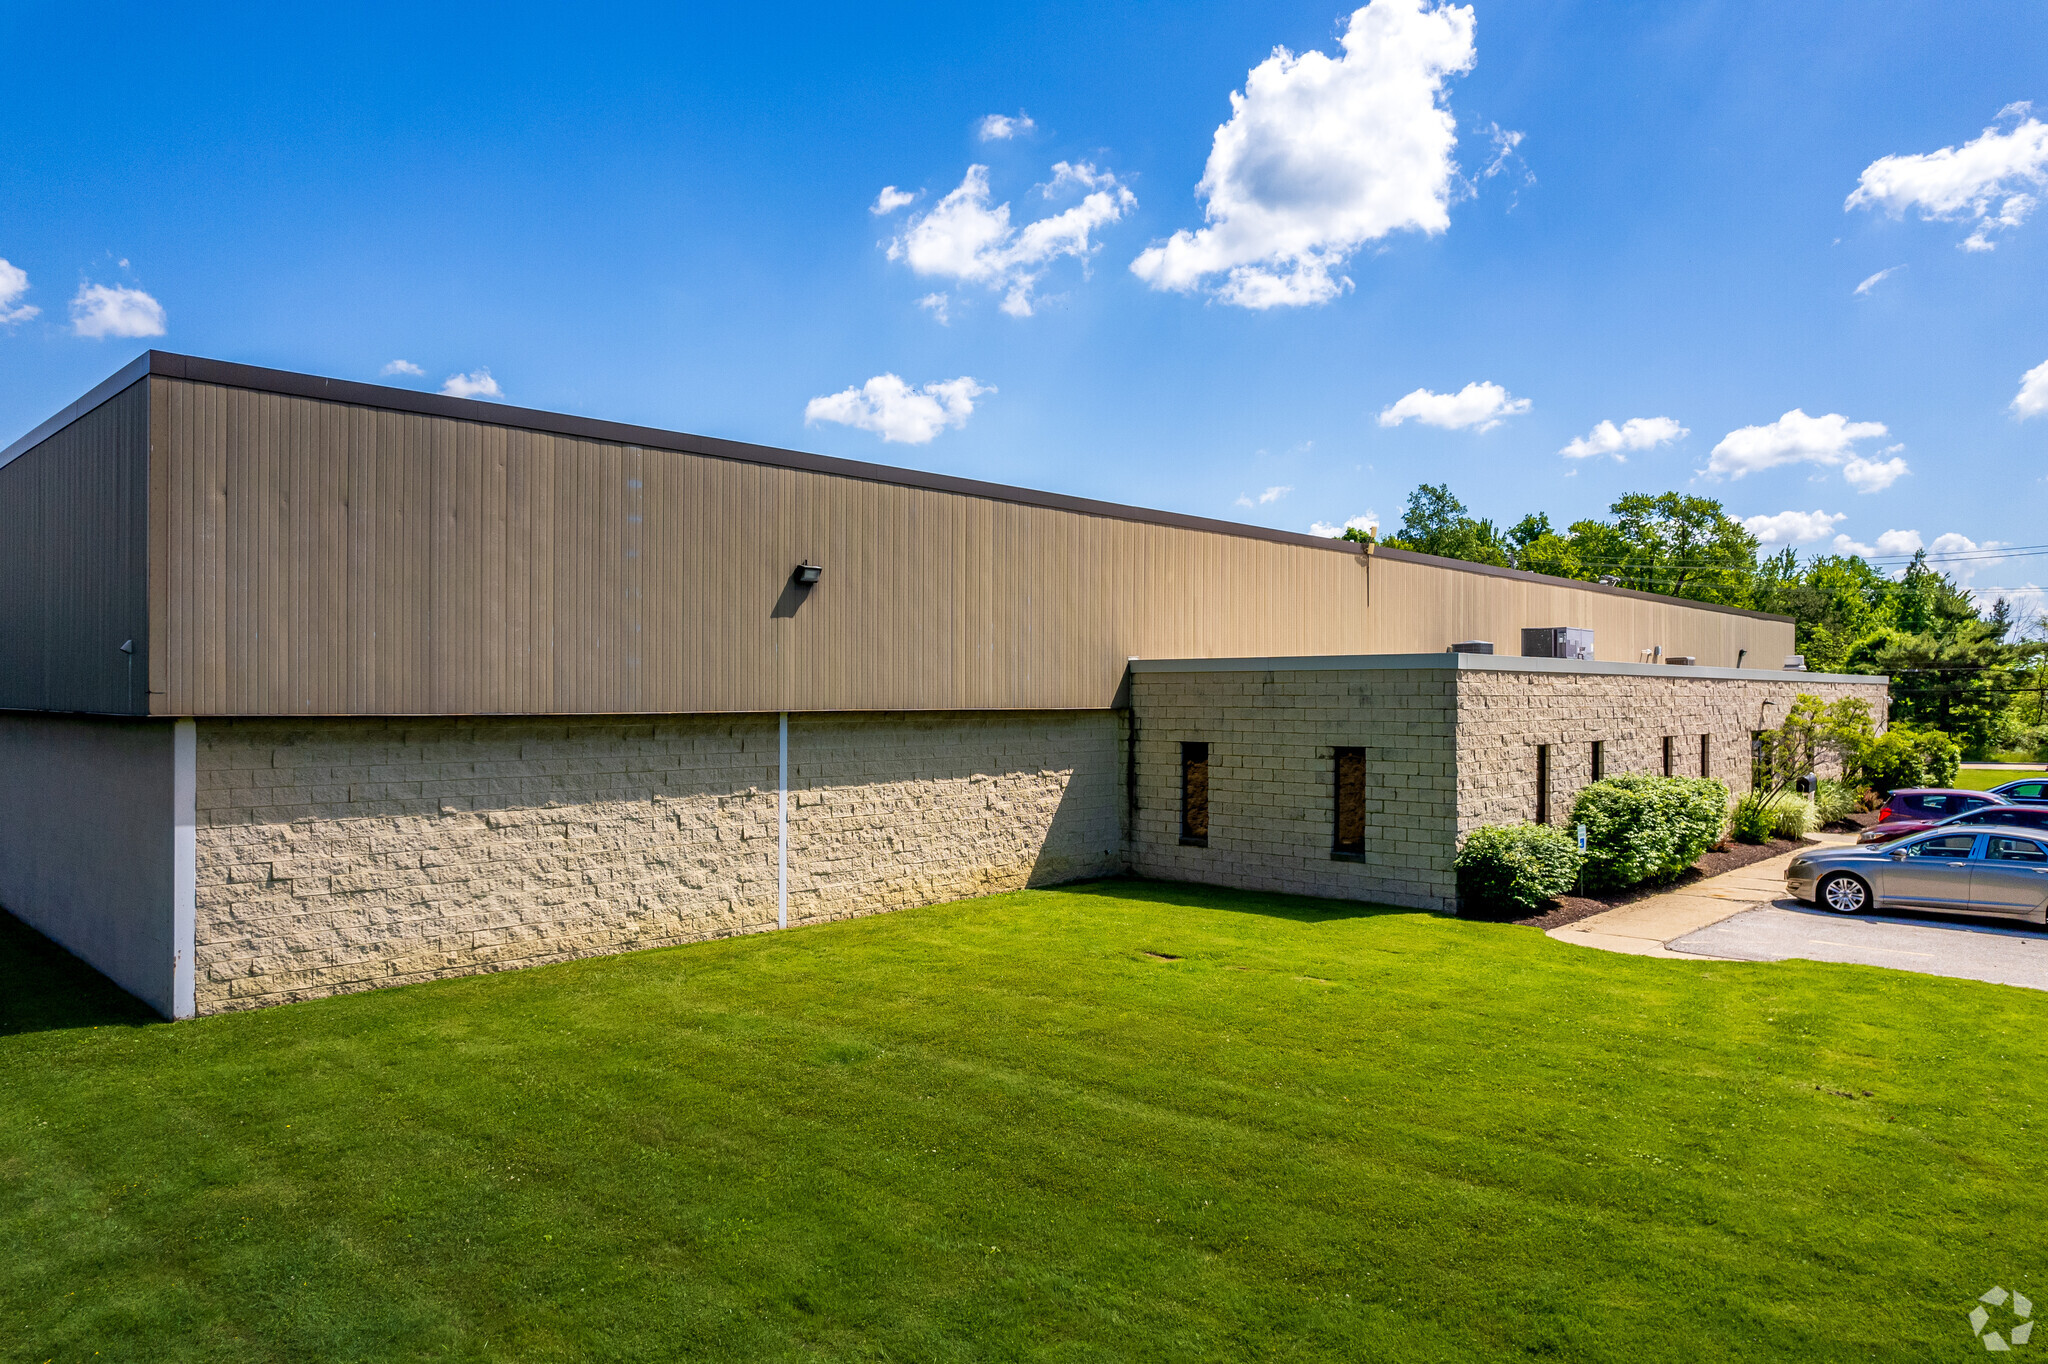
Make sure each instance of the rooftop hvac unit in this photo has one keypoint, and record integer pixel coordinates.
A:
(1795, 663)
(1473, 646)
(1683, 660)
(1560, 641)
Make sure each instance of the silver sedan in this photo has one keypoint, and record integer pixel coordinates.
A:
(1975, 870)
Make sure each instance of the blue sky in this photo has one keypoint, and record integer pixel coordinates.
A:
(667, 217)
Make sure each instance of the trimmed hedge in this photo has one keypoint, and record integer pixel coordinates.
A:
(1644, 828)
(1516, 866)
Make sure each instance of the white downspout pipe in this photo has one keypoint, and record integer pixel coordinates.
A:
(782, 824)
(184, 864)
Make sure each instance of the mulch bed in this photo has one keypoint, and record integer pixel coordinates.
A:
(1569, 909)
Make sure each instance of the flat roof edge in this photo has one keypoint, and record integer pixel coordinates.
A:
(114, 384)
(1524, 575)
(1493, 663)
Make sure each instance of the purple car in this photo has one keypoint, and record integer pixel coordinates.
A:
(1917, 809)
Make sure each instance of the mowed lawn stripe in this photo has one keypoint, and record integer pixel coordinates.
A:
(999, 1129)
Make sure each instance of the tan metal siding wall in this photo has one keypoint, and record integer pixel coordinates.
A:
(331, 559)
(73, 565)
(1419, 608)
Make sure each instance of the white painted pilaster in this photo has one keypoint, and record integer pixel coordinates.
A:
(184, 863)
(782, 824)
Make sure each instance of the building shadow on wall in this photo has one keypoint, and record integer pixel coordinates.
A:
(43, 988)
(1301, 909)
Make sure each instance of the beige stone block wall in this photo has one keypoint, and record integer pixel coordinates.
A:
(895, 810)
(1446, 751)
(349, 854)
(1272, 738)
(1503, 716)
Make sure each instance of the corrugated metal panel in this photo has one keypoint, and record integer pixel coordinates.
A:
(328, 558)
(74, 573)
(1420, 608)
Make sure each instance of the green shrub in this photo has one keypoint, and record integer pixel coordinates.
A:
(1939, 754)
(1643, 828)
(1834, 801)
(1903, 757)
(1892, 762)
(1516, 866)
(1753, 820)
(1759, 817)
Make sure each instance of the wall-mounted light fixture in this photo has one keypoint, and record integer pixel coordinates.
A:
(808, 573)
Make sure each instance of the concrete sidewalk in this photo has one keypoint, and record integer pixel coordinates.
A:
(1643, 928)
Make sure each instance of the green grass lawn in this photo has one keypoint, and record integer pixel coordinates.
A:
(999, 1129)
(1984, 778)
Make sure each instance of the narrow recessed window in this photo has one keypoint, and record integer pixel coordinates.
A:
(1543, 783)
(1350, 835)
(1599, 759)
(1756, 757)
(1194, 794)
(1706, 756)
(1668, 769)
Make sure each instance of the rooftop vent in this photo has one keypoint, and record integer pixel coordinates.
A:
(1683, 660)
(1795, 663)
(1473, 646)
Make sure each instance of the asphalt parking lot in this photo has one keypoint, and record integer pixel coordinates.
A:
(1973, 949)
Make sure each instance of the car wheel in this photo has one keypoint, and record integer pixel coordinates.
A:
(1844, 894)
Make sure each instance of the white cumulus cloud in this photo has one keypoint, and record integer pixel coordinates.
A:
(1880, 277)
(1001, 127)
(1637, 433)
(1481, 405)
(895, 411)
(2033, 398)
(1794, 438)
(1874, 475)
(1979, 555)
(1370, 523)
(476, 384)
(404, 367)
(1891, 544)
(891, 199)
(1322, 155)
(14, 283)
(1272, 494)
(965, 239)
(1983, 181)
(103, 310)
(1794, 527)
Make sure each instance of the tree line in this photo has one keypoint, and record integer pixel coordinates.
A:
(1968, 669)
